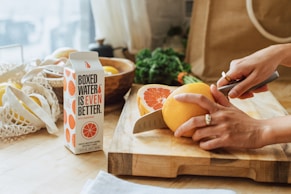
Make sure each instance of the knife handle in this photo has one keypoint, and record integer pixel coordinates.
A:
(225, 89)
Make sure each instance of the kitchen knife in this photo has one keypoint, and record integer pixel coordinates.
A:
(154, 120)
(225, 89)
(150, 121)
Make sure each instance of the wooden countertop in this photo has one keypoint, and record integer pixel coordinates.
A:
(40, 163)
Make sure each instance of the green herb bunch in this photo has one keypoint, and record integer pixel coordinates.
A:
(162, 66)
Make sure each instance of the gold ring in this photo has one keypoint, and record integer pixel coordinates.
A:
(208, 119)
(226, 77)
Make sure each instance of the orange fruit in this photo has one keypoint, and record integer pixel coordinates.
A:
(89, 130)
(176, 113)
(151, 97)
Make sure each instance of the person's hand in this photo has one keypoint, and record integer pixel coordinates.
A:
(253, 69)
(229, 126)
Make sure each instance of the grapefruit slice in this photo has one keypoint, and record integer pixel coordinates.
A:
(151, 97)
(89, 130)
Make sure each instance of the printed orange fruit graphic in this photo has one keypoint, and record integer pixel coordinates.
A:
(89, 130)
(151, 97)
(74, 106)
(71, 87)
(72, 122)
(176, 113)
(68, 138)
(69, 114)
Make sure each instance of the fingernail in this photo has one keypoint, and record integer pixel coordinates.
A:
(177, 96)
(232, 94)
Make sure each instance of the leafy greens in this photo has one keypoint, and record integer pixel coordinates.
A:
(162, 66)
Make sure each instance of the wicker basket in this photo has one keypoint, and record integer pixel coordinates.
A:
(57, 82)
(57, 85)
(117, 85)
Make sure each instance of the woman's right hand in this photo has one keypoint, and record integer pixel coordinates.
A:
(253, 69)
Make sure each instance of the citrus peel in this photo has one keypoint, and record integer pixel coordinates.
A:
(175, 113)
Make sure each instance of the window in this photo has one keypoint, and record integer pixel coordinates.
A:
(42, 26)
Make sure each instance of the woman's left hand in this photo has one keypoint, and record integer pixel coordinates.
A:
(229, 126)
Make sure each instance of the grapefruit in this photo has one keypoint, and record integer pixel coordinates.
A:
(151, 97)
(176, 113)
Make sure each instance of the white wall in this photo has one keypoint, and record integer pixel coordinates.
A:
(163, 14)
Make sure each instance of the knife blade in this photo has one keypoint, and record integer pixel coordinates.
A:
(154, 120)
(150, 121)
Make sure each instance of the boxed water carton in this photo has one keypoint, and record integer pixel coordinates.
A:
(83, 103)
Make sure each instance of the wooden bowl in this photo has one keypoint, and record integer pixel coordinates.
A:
(117, 85)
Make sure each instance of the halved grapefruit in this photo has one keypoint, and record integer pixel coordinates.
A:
(151, 97)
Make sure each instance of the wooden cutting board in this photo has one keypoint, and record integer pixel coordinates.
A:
(158, 153)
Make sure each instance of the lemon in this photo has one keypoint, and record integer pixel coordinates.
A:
(110, 70)
(3, 87)
(35, 99)
(63, 52)
(21, 118)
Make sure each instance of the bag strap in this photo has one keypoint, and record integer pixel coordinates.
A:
(258, 26)
(41, 113)
(12, 73)
(53, 69)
